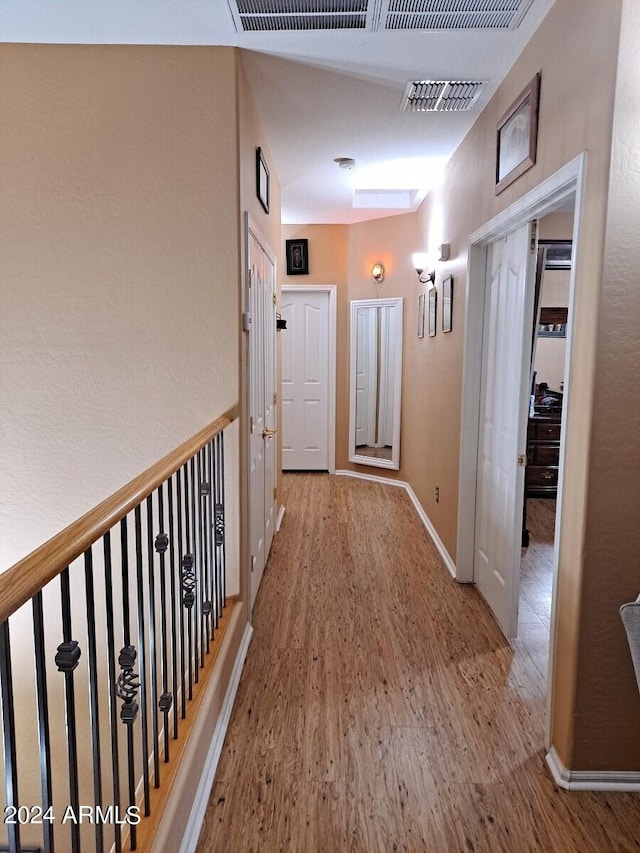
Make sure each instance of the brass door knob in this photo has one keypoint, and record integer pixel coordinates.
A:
(269, 433)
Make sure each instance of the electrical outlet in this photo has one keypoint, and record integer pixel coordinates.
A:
(437, 494)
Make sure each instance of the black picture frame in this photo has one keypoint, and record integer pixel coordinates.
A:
(517, 136)
(297, 253)
(447, 304)
(433, 304)
(263, 188)
(559, 254)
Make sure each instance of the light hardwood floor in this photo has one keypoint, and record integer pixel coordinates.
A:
(380, 709)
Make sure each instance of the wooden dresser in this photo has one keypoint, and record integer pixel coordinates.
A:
(543, 455)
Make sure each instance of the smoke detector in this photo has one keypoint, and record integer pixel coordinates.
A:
(345, 162)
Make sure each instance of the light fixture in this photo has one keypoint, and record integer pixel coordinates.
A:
(377, 273)
(345, 162)
(421, 263)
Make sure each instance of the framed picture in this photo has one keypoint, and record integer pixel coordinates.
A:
(262, 180)
(517, 137)
(421, 315)
(447, 303)
(297, 257)
(433, 300)
(558, 254)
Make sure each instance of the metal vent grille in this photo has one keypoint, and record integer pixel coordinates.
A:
(374, 15)
(440, 95)
(455, 14)
(269, 15)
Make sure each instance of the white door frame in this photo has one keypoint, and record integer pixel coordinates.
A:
(331, 289)
(541, 200)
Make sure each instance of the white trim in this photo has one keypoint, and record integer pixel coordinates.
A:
(201, 799)
(537, 203)
(279, 518)
(591, 780)
(332, 290)
(424, 518)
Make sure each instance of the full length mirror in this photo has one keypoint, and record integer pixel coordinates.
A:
(375, 382)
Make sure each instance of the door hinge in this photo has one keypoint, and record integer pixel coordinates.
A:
(246, 322)
(251, 424)
(274, 299)
(253, 562)
(275, 492)
(534, 236)
(522, 460)
(275, 398)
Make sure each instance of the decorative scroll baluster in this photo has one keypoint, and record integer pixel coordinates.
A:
(67, 659)
(197, 565)
(204, 527)
(126, 635)
(9, 733)
(188, 600)
(153, 656)
(220, 523)
(111, 663)
(179, 510)
(166, 699)
(143, 668)
(172, 577)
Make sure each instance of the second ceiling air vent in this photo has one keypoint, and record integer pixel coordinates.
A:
(440, 95)
(290, 15)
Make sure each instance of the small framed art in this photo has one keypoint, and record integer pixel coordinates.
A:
(433, 302)
(262, 180)
(447, 304)
(297, 257)
(517, 136)
(421, 315)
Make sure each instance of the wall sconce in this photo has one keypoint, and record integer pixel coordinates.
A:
(424, 261)
(421, 263)
(280, 323)
(377, 273)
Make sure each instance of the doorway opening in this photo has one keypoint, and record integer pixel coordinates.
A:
(551, 195)
(544, 430)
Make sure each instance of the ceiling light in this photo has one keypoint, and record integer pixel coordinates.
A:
(345, 162)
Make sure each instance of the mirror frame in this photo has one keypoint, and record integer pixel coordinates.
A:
(354, 456)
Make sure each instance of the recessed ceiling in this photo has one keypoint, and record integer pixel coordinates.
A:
(329, 92)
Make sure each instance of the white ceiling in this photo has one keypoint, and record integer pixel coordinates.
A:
(319, 94)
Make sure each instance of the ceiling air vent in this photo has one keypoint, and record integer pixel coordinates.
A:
(440, 95)
(455, 14)
(288, 15)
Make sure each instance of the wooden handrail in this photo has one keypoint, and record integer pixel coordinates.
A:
(27, 577)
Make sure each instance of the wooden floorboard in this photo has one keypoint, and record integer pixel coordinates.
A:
(380, 708)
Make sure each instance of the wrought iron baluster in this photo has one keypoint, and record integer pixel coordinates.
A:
(126, 634)
(181, 550)
(188, 579)
(198, 561)
(44, 736)
(203, 489)
(94, 714)
(220, 521)
(67, 659)
(153, 655)
(9, 734)
(111, 664)
(142, 654)
(166, 699)
(172, 579)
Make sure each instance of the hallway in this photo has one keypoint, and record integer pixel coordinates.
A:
(381, 709)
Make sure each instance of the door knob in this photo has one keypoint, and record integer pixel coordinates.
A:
(269, 433)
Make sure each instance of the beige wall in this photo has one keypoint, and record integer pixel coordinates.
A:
(119, 267)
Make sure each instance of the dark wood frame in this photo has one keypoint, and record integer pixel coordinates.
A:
(295, 267)
(447, 304)
(526, 104)
(263, 180)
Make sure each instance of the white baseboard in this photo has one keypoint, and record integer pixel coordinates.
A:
(279, 518)
(424, 518)
(591, 780)
(201, 800)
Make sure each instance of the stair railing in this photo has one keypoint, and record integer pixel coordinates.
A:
(106, 632)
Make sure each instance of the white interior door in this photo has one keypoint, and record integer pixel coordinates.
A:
(503, 415)
(262, 411)
(306, 385)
